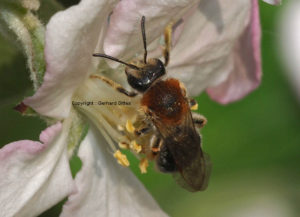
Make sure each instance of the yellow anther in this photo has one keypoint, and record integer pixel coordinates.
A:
(194, 107)
(129, 126)
(123, 145)
(143, 165)
(136, 147)
(122, 159)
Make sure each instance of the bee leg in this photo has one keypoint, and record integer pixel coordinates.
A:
(115, 85)
(193, 104)
(142, 130)
(168, 42)
(199, 120)
(155, 144)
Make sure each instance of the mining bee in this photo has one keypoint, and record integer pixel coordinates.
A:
(175, 144)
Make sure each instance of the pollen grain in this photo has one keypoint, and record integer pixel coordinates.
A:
(129, 126)
(143, 165)
(122, 159)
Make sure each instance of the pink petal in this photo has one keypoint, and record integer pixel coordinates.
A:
(203, 54)
(34, 175)
(124, 37)
(245, 75)
(105, 188)
(71, 38)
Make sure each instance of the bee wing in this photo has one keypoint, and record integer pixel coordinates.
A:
(198, 181)
(184, 143)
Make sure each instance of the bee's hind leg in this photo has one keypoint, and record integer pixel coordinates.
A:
(199, 120)
(156, 143)
(193, 104)
(142, 130)
(115, 85)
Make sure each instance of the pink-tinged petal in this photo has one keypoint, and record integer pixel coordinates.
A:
(203, 54)
(273, 2)
(290, 42)
(34, 175)
(245, 75)
(71, 38)
(105, 188)
(124, 38)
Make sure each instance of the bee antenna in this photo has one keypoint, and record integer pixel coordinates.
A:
(115, 59)
(144, 38)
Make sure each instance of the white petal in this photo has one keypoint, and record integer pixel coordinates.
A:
(105, 188)
(71, 38)
(273, 2)
(34, 176)
(290, 42)
(202, 56)
(124, 33)
(245, 75)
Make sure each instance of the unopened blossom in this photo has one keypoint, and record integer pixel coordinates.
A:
(273, 2)
(215, 48)
(290, 42)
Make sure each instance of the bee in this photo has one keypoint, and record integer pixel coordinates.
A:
(176, 144)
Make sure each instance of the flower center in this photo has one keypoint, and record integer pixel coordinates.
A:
(116, 115)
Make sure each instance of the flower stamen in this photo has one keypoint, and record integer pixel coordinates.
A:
(129, 126)
(124, 145)
(135, 147)
(122, 159)
(143, 165)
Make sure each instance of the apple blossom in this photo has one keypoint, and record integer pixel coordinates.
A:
(215, 47)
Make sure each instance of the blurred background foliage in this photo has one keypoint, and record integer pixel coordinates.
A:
(254, 144)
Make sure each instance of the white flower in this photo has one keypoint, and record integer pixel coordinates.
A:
(215, 47)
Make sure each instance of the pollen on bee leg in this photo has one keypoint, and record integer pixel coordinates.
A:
(194, 107)
(136, 147)
(129, 126)
(121, 158)
(193, 104)
(123, 145)
(143, 165)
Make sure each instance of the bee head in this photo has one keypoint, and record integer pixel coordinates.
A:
(145, 74)
(141, 73)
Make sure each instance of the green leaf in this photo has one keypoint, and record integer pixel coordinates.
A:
(47, 9)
